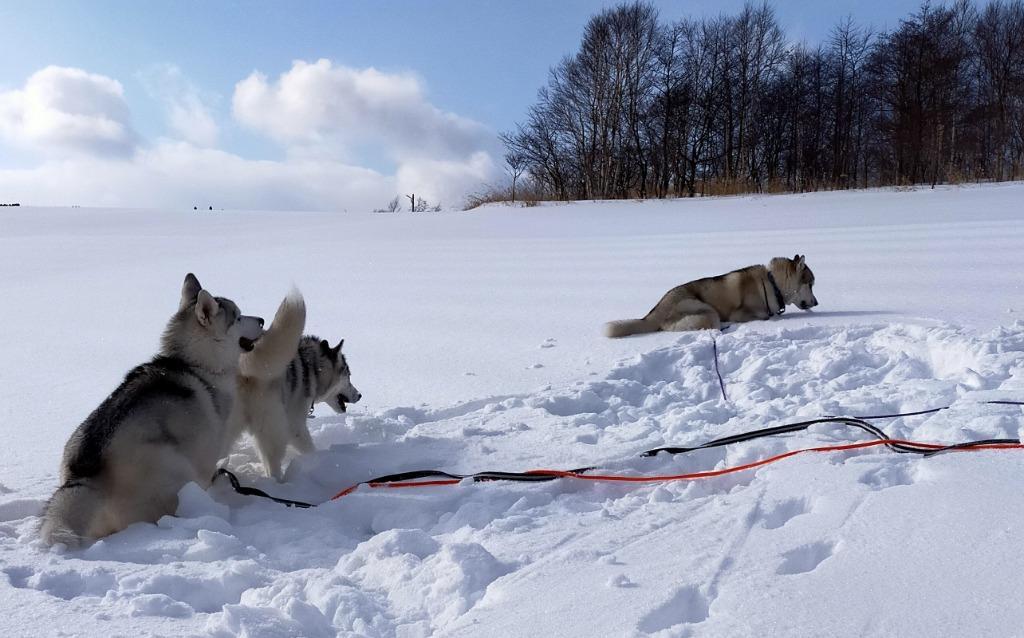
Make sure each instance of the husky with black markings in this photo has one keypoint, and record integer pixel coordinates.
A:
(163, 427)
(281, 379)
(754, 292)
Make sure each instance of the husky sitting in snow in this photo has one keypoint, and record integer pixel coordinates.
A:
(754, 292)
(280, 380)
(163, 427)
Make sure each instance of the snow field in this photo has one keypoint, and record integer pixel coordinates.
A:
(475, 339)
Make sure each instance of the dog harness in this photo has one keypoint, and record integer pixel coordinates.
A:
(779, 301)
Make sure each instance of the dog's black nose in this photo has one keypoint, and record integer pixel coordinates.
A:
(260, 319)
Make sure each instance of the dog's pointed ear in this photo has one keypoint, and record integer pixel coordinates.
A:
(799, 261)
(206, 308)
(337, 348)
(189, 291)
(325, 347)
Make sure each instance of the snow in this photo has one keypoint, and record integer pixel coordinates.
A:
(475, 338)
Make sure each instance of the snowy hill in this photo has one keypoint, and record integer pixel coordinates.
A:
(475, 339)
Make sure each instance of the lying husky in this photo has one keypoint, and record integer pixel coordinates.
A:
(161, 428)
(754, 292)
(280, 380)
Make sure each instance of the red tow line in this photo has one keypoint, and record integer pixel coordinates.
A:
(693, 476)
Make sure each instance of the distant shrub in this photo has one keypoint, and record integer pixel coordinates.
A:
(394, 206)
(528, 194)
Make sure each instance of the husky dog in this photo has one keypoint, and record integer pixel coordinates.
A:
(161, 428)
(754, 292)
(280, 380)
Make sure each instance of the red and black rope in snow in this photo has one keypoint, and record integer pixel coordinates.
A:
(430, 478)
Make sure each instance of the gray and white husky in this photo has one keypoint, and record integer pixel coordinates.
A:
(754, 292)
(281, 379)
(163, 427)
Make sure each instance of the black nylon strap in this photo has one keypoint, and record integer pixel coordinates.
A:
(478, 476)
(858, 422)
(779, 300)
(721, 382)
(252, 491)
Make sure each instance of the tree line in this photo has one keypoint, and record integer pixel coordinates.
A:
(728, 105)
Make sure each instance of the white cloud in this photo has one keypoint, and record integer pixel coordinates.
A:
(445, 181)
(64, 110)
(325, 116)
(179, 175)
(327, 105)
(188, 113)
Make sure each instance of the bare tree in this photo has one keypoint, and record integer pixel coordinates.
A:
(999, 41)
(726, 104)
(515, 166)
(394, 206)
(420, 205)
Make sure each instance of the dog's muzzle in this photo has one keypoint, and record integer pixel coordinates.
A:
(344, 399)
(252, 330)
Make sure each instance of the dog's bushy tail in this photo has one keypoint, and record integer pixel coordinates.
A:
(626, 327)
(69, 515)
(278, 345)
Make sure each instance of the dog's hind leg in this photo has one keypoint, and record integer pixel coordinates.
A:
(693, 314)
(272, 443)
(270, 430)
(300, 437)
(146, 488)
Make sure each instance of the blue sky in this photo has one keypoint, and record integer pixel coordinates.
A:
(480, 60)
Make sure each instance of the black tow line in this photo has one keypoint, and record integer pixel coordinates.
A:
(857, 422)
(253, 491)
(479, 477)
(721, 383)
(860, 422)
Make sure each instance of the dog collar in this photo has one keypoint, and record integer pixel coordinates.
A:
(779, 300)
